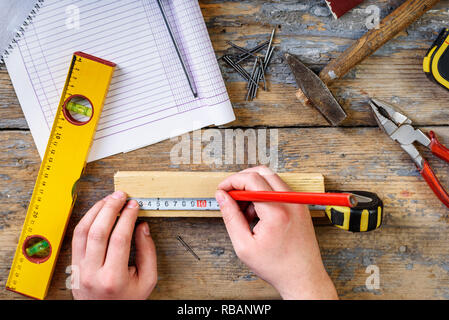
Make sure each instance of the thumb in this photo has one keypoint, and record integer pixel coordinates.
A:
(234, 219)
(146, 262)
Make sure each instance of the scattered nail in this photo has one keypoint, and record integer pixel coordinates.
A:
(259, 68)
(187, 247)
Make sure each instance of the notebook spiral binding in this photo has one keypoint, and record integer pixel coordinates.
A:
(21, 30)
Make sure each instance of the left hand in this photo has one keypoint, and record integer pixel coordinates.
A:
(100, 252)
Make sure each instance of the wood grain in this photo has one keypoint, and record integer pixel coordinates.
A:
(308, 30)
(410, 248)
(184, 184)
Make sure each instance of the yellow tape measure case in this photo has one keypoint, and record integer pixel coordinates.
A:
(436, 61)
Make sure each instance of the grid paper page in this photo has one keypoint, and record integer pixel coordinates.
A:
(149, 99)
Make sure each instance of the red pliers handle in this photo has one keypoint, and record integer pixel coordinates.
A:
(399, 128)
(427, 173)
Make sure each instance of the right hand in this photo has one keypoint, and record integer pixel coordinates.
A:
(282, 248)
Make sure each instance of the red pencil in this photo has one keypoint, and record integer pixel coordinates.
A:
(309, 198)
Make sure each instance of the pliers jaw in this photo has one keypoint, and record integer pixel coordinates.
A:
(387, 114)
(399, 128)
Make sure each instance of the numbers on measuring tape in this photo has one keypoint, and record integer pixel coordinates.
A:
(167, 204)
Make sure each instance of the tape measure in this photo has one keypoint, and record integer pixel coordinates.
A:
(436, 61)
(54, 193)
(366, 216)
(173, 204)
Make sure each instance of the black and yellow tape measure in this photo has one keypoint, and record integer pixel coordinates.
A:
(436, 61)
(366, 216)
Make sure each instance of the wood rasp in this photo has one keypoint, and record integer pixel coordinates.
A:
(313, 89)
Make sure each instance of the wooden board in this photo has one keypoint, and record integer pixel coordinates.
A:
(165, 184)
(411, 248)
(307, 28)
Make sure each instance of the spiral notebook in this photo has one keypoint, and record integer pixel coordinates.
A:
(149, 99)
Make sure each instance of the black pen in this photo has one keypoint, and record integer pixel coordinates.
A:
(189, 79)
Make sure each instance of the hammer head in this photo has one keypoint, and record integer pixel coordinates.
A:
(316, 91)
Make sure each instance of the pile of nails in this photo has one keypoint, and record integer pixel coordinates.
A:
(259, 67)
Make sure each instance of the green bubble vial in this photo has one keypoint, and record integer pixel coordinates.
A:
(79, 108)
(37, 248)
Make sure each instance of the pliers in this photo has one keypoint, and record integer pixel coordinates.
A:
(399, 128)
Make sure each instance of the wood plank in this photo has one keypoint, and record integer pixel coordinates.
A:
(184, 184)
(410, 248)
(308, 30)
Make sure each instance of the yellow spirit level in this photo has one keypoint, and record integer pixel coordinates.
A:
(54, 194)
(436, 61)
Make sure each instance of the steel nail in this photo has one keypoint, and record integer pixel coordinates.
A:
(234, 66)
(189, 248)
(263, 76)
(245, 56)
(254, 69)
(268, 58)
(270, 43)
(241, 49)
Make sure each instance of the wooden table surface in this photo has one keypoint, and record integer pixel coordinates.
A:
(411, 249)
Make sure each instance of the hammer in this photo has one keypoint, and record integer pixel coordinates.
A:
(313, 89)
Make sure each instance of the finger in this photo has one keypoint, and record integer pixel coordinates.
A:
(117, 256)
(98, 236)
(79, 239)
(234, 220)
(146, 261)
(275, 182)
(245, 181)
(253, 181)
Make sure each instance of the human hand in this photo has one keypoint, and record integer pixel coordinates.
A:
(282, 248)
(101, 250)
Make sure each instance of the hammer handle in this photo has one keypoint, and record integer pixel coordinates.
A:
(397, 21)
